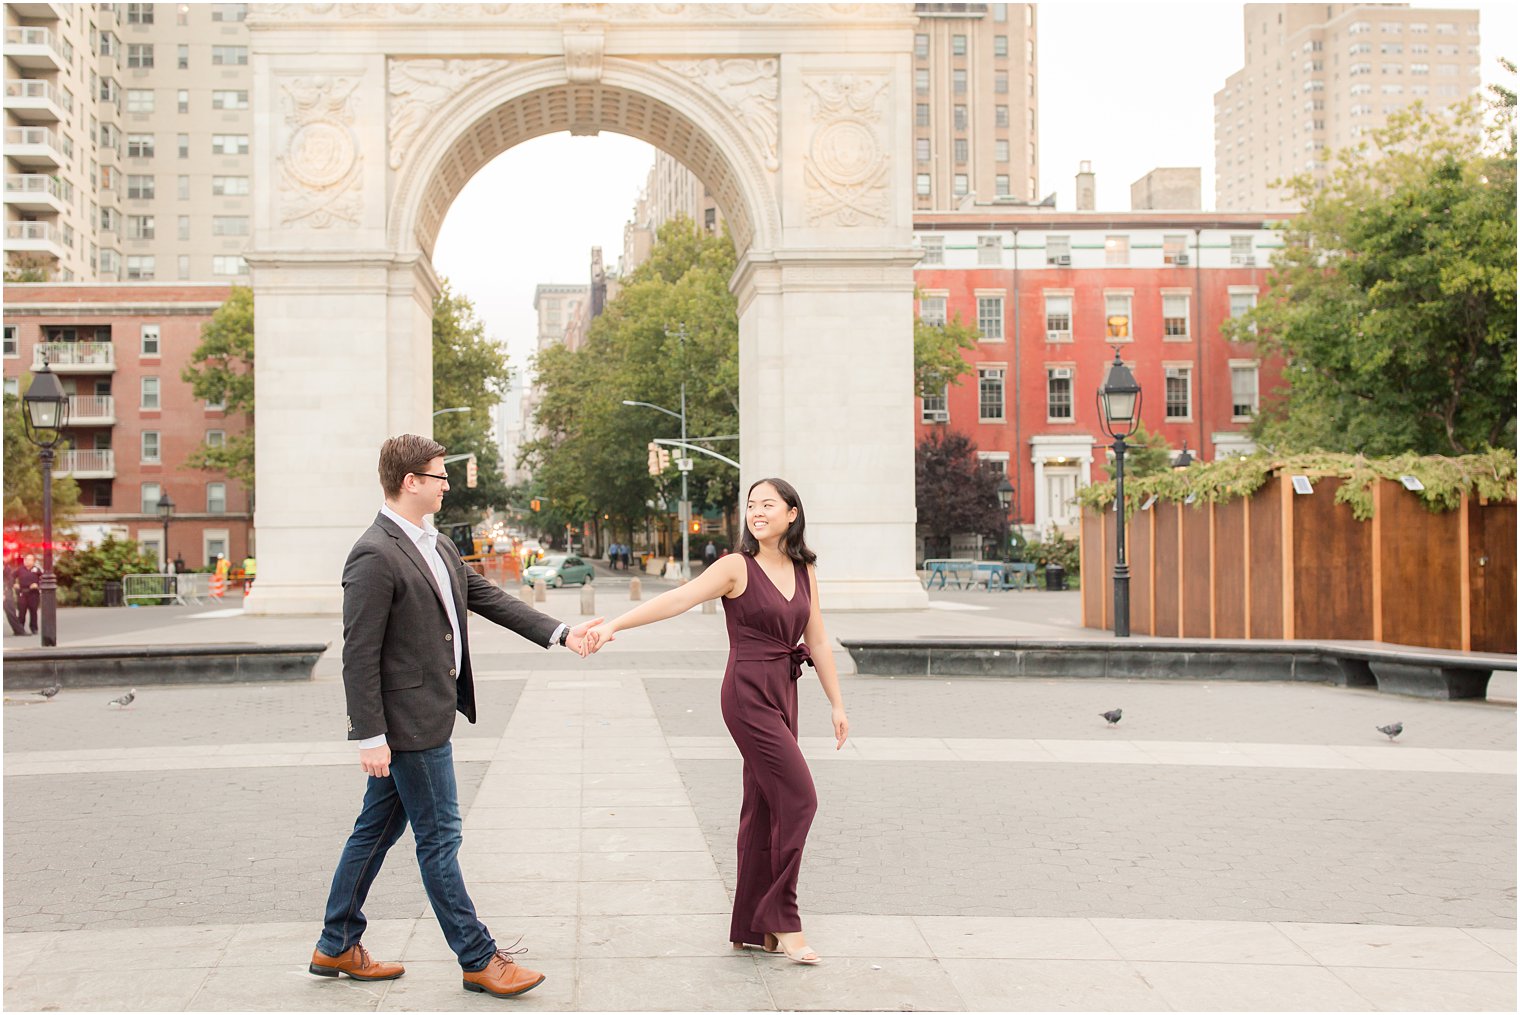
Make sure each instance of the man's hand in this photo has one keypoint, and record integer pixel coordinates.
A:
(576, 642)
(376, 761)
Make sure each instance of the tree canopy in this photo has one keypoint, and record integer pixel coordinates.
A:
(955, 492)
(1393, 300)
(470, 370)
(937, 358)
(221, 371)
(23, 476)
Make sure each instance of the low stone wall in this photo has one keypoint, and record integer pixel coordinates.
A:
(147, 665)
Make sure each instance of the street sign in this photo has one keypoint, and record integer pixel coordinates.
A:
(685, 464)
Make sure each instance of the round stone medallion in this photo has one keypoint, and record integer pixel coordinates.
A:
(847, 151)
(321, 154)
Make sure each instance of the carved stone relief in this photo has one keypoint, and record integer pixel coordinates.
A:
(748, 88)
(625, 13)
(417, 87)
(585, 30)
(846, 165)
(321, 166)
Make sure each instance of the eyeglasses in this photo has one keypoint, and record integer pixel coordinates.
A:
(431, 475)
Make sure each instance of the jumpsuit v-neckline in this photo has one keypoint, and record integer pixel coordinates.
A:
(759, 702)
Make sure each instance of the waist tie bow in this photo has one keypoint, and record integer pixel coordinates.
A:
(771, 649)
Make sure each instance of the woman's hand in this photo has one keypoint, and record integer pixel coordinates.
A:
(841, 727)
(598, 636)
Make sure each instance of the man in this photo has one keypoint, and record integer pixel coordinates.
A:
(29, 591)
(406, 669)
(12, 617)
(250, 570)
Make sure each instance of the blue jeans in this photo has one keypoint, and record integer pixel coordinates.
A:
(420, 789)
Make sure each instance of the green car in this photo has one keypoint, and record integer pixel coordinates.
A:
(559, 570)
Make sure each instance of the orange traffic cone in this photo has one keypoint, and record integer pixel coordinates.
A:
(218, 586)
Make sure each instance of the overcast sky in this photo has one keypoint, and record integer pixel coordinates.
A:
(1127, 86)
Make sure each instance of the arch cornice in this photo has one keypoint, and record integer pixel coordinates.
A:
(453, 120)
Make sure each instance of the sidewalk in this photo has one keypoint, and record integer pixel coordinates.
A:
(980, 844)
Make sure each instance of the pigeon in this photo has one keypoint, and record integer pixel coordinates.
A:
(1114, 716)
(50, 690)
(124, 700)
(1392, 731)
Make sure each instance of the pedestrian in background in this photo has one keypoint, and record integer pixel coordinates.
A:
(770, 599)
(29, 591)
(12, 617)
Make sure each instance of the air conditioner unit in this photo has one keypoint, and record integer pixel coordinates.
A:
(1060, 373)
(1182, 260)
(936, 415)
(1063, 260)
(1176, 373)
(1249, 262)
(1058, 336)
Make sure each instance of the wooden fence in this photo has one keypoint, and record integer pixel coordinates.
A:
(1282, 565)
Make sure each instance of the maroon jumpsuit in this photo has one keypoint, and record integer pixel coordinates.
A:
(760, 709)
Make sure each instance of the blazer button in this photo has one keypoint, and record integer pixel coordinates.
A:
(449, 636)
(453, 672)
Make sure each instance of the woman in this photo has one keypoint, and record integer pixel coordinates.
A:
(770, 598)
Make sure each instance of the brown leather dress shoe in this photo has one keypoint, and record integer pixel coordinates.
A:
(503, 977)
(356, 962)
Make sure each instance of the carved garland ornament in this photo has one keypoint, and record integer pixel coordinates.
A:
(624, 13)
(846, 165)
(418, 87)
(748, 88)
(321, 167)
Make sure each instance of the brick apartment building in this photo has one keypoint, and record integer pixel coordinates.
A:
(118, 350)
(1052, 294)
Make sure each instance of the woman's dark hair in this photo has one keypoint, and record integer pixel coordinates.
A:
(792, 542)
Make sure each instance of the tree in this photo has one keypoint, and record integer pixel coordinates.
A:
(23, 477)
(955, 491)
(221, 372)
(1145, 454)
(470, 370)
(83, 572)
(937, 358)
(1393, 300)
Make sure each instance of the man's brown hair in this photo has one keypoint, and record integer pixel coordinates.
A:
(402, 455)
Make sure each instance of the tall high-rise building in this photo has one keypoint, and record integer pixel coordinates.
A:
(127, 141)
(1320, 78)
(975, 102)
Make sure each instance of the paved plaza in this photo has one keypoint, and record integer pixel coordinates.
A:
(981, 844)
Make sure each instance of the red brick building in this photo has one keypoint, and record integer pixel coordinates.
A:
(1052, 294)
(118, 350)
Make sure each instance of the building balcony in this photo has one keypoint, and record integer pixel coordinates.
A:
(38, 12)
(91, 410)
(81, 464)
(35, 49)
(34, 101)
(34, 147)
(75, 357)
(34, 192)
(33, 238)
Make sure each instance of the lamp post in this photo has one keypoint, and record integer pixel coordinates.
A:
(165, 512)
(685, 468)
(1184, 458)
(47, 412)
(1119, 409)
(1005, 498)
(457, 408)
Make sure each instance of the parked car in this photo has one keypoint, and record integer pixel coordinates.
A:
(557, 570)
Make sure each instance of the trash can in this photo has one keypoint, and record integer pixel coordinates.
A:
(1055, 578)
(112, 593)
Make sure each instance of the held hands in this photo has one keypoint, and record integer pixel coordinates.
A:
(841, 727)
(576, 641)
(599, 636)
(376, 761)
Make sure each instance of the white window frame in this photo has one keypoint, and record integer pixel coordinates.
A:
(1186, 296)
(982, 317)
(982, 373)
(1171, 372)
(1057, 247)
(157, 394)
(151, 446)
(12, 341)
(151, 339)
(939, 413)
(1068, 373)
(142, 492)
(221, 439)
(1128, 295)
(934, 248)
(1057, 334)
(931, 299)
(989, 250)
(1255, 367)
(210, 510)
(1116, 249)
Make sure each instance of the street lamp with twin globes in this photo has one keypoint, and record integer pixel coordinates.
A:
(47, 413)
(1119, 408)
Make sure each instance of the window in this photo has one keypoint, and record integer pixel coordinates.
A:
(921, 114)
(140, 227)
(150, 393)
(1000, 45)
(139, 146)
(1058, 393)
(140, 187)
(229, 186)
(1174, 315)
(229, 144)
(962, 151)
(931, 310)
(937, 407)
(1057, 318)
(1003, 187)
(990, 391)
(140, 267)
(182, 142)
(989, 317)
(216, 438)
(989, 250)
(12, 343)
(922, 185)
(140, 55)
(921, 149)
(1419, 68)
(1000, 117)
(229, 12)
(182, 262)
(139, 14)
(1116, 313)
(150, 340)
(182, 188)
(182, 15)
(1116, 250)
(958, 82)
(957, 45)
(962, 185)
(1000, 82)
(139, 100)
(228, 265)
(1000, 150)
(229, 56)
(1058, 250)
(1241, 251)
(1179, 392)
(182, 97)
(1243, 392)
(229, 225)
(1242, 302)
(152, 493)
(183, 57)
(921, 82)
(216, 498)
(229, 100)
(13, 386)
(184, 227)
(934, 249)
(962, 117)
(921, 46)
(150, 452)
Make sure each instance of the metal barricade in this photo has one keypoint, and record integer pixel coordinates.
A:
(152, 588)
(195, 589)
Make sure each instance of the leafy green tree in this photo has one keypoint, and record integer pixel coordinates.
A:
(1393, 300)
(23, 477)
(955, 492)
(221, 371)
(470, 370)
(83, 573)
(1145, 454)
(937, 358)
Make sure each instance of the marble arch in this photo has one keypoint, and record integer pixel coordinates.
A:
(372, 117)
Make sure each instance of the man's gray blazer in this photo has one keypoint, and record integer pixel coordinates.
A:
(398, 646)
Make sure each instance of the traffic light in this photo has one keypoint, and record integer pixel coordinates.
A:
(664, 459)
(695, 525)
(471, 472)
(654, 459)
(535, 504)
